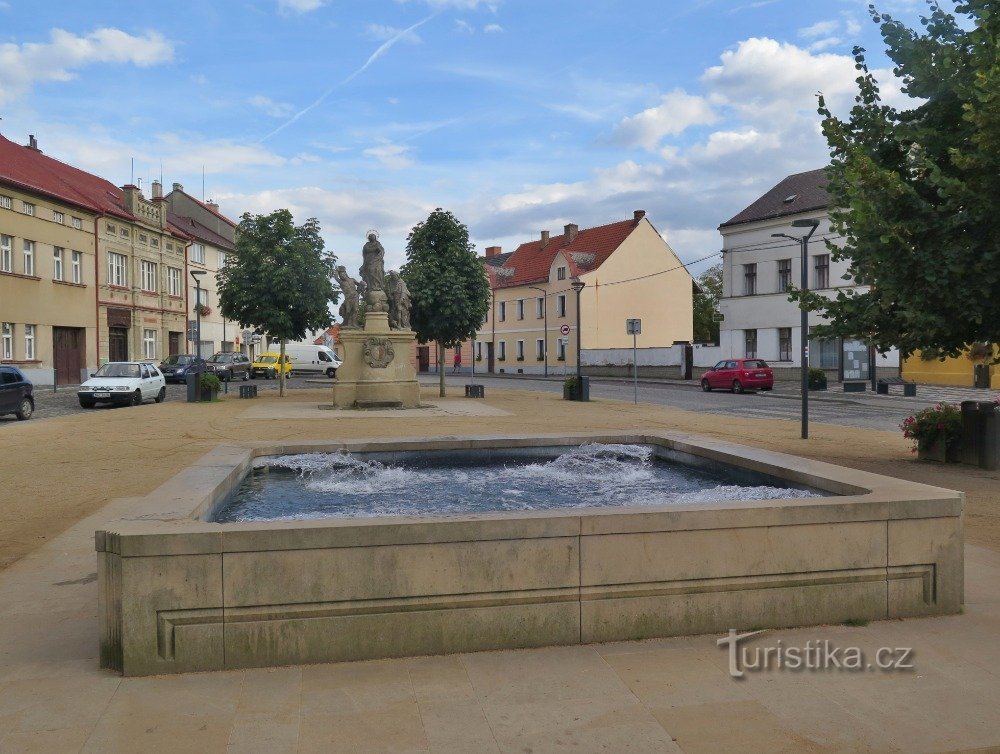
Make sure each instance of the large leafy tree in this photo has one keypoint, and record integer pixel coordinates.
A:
(448, 286)
(706, 303)
(916, 190)
(279, 279)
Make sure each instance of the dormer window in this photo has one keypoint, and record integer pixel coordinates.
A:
(790, 199)
(560, 273)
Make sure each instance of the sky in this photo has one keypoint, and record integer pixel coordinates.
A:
(516, 115)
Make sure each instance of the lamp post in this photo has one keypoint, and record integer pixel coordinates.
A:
(803, 242)
(578, 286)
(196, 274)
(545, 326)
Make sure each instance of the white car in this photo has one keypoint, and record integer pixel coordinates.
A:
(126, 383)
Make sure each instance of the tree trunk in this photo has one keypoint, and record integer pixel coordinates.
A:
(281, 371)
(440, 349)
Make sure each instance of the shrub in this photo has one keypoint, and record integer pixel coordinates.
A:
(817, 379)
(571, 383)
(209, 381)
(940, 422)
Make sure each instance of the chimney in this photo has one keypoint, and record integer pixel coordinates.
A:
(570, 231)
(492, 251)
(178, 187)
(545, 238)
(638, 215)
(157, 188)
(132, 196)
(33, 143)
(212, 205)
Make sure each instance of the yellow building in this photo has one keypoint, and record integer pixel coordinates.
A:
(627, 271)
(961, 370)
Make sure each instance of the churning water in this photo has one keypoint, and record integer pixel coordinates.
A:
(323, 485)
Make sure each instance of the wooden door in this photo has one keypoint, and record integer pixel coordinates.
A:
(173, 343)
(68, 354)
(489, 357)
(117, 344)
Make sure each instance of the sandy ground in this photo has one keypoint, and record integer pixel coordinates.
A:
(54, 472)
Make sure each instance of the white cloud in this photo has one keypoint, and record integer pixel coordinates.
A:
(490, 5)
(819, 29)
(300, 6)
(676, 112)
(392, 156)
(269, 106)
(383, 33)
(464, 26)
(23, 66)
(492, 29)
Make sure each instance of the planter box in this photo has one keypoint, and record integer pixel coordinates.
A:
(208, 395)
(937, 451)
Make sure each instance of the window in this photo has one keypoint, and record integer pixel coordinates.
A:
(561, 349)
(29, 342)
(222, 259)
(28, 209)
(502, 314)
(520, 308)
(822, 271)
(170, 246)
(5, 202)
(6, 255)
(148, 275)
(112, 229)
(29, 257)
(58, 217)
(201, 296)
(154, 242)
(540, 349)
(540, 307)
(6, 341)
(149, 344)
(77, 264)
(174, 281)
(123, 232)
(57, 263)
(77, 223)
(560, 273)
(479, 350)
(143, 238)
(784, 275)
(502, 350)
(520, 350)
(750, 343)
(198, 253)
(117, 270)
(561, 305)
(823, 353)
(784, 344)
(749, 279)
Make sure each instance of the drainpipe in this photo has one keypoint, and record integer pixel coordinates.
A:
(97, 292)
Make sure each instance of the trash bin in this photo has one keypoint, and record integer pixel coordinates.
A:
(989, 437)
(971, 430)
(584, 388)
(981, 375)
(193, 380)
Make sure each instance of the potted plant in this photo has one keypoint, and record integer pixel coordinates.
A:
(936, 432)
(209, 385)
(571, 388)
(201, 309)
(817, 379)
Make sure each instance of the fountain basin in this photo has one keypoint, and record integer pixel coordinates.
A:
(184, 593)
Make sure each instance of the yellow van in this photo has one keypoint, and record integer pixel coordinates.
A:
(266, 366)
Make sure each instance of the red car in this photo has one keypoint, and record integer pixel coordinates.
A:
(738, 375)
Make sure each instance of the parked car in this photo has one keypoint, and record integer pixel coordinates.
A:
(309, 358)
(266, 366)
(16, 396)
(738, 375)
(228, 366)
(123, 383)
(175, 367)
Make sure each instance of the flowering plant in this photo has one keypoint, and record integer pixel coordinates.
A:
(202, 309)
(942, 422)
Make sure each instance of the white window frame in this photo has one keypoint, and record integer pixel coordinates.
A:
(29, 342)
(222, 259)
(29, 257)
(117, 270)
(174, 281)
(28, 208)
(58, 217)
(77, 223)
(502, 312)
(76, 265)
(560, 273)
(198, 253)
(201, 296)
(821, 265)
(57, 262)
(561, 305)
(147, 275)
(149, 344)
(520, 308)
(502, 350)
(5, 202)
(519, 350)
(540, 349)
(540, 307)
(7, 341)
(6, 253)
(561, 349)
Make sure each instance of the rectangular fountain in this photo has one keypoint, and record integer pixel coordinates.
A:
(553, 540)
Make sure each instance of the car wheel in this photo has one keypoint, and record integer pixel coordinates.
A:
(25, 410)
(161, 395)
(246, 376)
(737, 386)
(86, 403)
(136, 398)
(705, 386)
(331, 373)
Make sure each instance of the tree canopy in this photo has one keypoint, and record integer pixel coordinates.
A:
(914, 191)
(279, 280)
(706, 303)
(449, 289)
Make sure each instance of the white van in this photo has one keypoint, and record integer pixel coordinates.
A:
(311, 359)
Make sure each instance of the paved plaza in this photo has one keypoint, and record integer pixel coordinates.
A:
(66, 476)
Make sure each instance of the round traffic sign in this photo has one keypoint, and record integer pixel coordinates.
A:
(564, 330)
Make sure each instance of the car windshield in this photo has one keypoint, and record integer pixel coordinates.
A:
(118, 370)
(267, 360)
(219, 357)
(178, 358)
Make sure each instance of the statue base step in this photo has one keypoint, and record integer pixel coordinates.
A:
(377, 404)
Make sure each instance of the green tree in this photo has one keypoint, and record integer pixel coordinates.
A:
(706, 303)
(278, 281)
(448, 286)
(915, 190)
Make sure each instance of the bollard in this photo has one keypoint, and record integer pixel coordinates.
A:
(989, 436)
(971, 431)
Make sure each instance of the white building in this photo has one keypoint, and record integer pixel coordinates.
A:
(757, 268)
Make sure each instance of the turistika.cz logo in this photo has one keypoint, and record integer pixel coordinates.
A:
(814, 655)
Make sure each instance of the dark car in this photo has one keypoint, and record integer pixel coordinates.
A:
(229, 365)
(738, 375)
(16, 393)
(175, 368)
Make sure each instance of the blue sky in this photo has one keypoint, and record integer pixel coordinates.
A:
(517, 115)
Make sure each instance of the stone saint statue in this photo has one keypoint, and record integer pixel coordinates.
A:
(349, 308)
(399, 301)
(373, 266)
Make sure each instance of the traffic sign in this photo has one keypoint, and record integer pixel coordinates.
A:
(633, 326)
(564, 330)
(718, 317)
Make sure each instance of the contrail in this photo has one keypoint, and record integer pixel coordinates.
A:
(383, 48)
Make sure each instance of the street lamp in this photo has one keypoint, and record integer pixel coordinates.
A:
(196, 274)
(545, 313)
(803, 242)
(578, 286)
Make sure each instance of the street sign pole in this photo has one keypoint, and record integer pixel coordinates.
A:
(634, 328)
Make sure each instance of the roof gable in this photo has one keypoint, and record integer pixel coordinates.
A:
(798, 193)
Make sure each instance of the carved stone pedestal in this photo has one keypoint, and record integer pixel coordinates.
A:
(377, 370)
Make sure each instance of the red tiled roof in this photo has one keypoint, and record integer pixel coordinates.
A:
(333, 331)
(530, 263)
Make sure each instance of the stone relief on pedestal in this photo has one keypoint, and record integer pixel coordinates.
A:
(378, 352)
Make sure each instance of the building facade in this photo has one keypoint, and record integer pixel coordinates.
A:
(757, 270)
